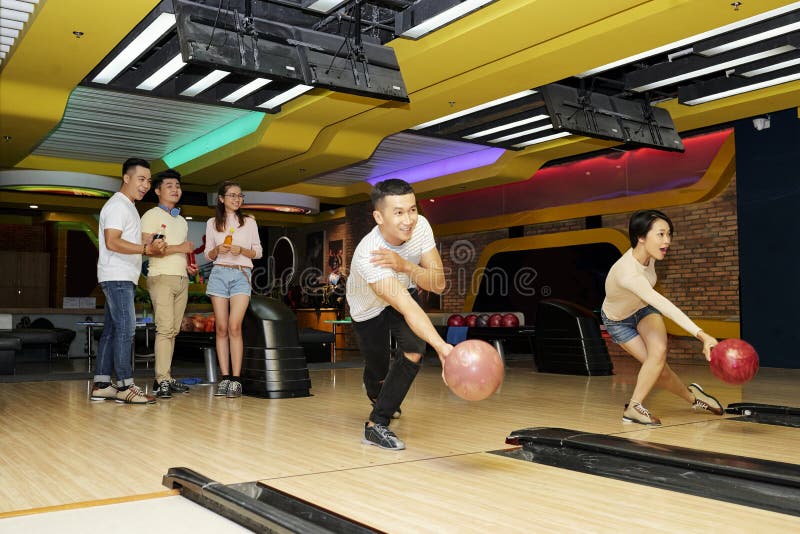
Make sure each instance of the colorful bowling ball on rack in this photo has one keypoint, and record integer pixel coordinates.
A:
(495, 320)
(455, 320)
(471, 320)
(482, 321)
(510, 321)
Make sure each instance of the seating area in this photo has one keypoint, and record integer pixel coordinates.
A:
(30, 341)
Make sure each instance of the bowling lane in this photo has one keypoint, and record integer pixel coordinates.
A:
(173, 513)
(483, 492)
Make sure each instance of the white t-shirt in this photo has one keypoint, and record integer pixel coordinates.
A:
(177, 229)
(629, 288)
(119, 213)
(363, 301)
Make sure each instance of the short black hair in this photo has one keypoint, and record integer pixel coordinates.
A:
(388, 188)
(642, 221)
(163, 175)
(134, 162)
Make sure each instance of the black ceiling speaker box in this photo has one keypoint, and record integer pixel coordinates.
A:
(274, 364)
(568, 340)
(218, 38)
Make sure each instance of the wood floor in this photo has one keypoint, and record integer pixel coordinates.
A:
(59, 448)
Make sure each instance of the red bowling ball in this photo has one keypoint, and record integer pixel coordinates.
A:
(510, 321)
(734, 361)
(495, 320)
(473, 370)
(471, 320)
(455, 320)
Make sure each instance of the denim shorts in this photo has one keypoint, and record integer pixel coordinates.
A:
(625, 330)
(228, 281)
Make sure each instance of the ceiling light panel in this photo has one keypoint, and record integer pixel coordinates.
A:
(493, 123)
(754, 33)
(474, 109)
(245, 90)
(422, 11)
(686, 68)
(149, 36)
(682, 43)
(161, 75)
(725, 87)
(326, 6)
(285, 96)
(207, 82)
(763, 67)
(543, 139)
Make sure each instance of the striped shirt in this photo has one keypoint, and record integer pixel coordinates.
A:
(629, 288)
(363, 301)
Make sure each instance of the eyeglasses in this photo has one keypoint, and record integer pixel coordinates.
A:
(234, 195)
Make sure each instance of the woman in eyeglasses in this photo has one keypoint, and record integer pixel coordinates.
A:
(232, 243)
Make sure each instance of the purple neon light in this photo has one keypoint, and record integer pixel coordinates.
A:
(434, 169)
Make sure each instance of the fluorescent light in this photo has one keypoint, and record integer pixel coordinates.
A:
(285, 96)
(207, 81)
(27, 7)
(6, 40)
(714, 68)
(245, 90)
(692, 39)
(522, 134)
(5, 48)
(508, 126)
(160, 76)
(323, 6)
(12, 24)
(137, 47)
(12, 14)
(542, 139)
(473, 109)
(445, 17)
(743, 89)
(744, 41)
(771, 68)
(9, 32)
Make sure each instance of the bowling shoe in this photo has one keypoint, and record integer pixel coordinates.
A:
(636, 413)
(704, 401)
(107, 392)
(381, 436)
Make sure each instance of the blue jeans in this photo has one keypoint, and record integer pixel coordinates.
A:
(119, 326)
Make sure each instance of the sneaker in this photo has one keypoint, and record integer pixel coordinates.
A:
(636, 413)
(177, 387)
(704, 401)
(134, 395)
(222, 388)
(162, 391)
(381, 436)
(234, 389)
(100, 394)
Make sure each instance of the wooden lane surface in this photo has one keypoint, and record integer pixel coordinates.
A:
(482, 492)
(59, 448)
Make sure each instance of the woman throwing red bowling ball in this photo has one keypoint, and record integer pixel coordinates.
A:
(632, 312)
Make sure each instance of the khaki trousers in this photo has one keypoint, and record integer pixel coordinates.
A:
(169, 294)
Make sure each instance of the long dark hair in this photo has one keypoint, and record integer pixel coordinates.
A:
(219, 216)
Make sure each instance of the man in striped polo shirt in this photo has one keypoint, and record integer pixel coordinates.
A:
(399, 254)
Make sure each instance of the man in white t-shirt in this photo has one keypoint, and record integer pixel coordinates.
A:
(167, 277)
(121, 245)
(398, 254)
